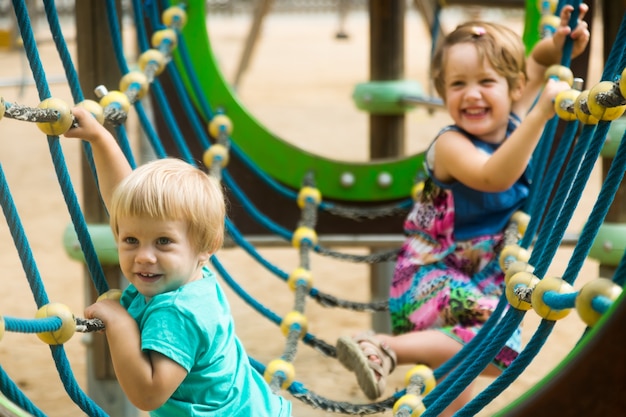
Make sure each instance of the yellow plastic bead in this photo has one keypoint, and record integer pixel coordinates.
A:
(412, 402)
(294, 318)
(515, 267)
(68, 323)
(299, 277)
(94, 108)
(62, 124)
(564, 104)
(598, 287)
(522, 219)
(622, 83)
(174, 14)
(309, 194)
(216, 152)
(417, 189)
(550, 284)
(154, 57)
(511, 253)
(427, 376)
(581, 110)
(549, 23)
(303, 234)
(599, 111)
(521, 279)
(560, 72)
(220, 121)
(3, 107)
(113, 294)
(547, 6)
(163, 35)
(137, 81)
(283, 367)
(117, 99)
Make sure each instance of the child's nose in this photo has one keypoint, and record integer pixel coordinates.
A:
(145, 255)
(473, 92)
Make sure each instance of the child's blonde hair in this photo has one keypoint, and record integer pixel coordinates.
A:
(496, 43)
(170, 189)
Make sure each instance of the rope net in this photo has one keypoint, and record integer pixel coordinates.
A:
(57, 323)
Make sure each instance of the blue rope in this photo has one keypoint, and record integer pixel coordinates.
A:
(64, 368)
(48, 324)
(21, 243)
(30, 47)
(13, 393)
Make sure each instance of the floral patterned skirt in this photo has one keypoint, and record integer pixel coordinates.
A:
(446, 285)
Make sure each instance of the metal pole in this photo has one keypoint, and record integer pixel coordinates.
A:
(386, 131)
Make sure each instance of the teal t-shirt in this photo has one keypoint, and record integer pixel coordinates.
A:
(193, 326)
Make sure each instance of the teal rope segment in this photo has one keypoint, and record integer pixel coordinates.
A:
(122, 139)
(116, 36)
(238, 238)
(254, 212)
(509, 375)
(59, 165)
(179, 88)
(205, 108)
(53, 142)
(540, 165)
(88, 249)
(555, 208)
(269, 314)
(609, 188)
(13, 393)
(30, 46)
(72, 388)
(21, 242)
(145, 123)
(17, 325)
(464, 374)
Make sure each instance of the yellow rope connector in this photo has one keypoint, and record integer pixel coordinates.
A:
(68, 323)
(309, 194)
(302, 235)
(294, 318)
(281, 369)
(300, 277)
(62, 124)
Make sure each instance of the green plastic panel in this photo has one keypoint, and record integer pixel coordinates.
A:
(609, 245)
(278, 158)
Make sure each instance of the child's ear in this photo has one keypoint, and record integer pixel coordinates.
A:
(517, 89)
(203, 258)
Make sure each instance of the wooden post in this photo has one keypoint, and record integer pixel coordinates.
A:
(386, 131)
(97, 66)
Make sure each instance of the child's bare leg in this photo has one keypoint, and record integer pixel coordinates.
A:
(428, 347)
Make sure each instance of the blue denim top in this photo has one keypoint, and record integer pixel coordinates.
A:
(478, 213)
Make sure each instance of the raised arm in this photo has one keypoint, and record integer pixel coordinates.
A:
(549, 51)
(111, 164)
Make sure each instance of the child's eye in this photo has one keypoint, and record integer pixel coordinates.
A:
(129, 240)
(163, 241)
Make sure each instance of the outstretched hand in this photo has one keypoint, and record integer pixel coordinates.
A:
(85, 126)
(580, 34)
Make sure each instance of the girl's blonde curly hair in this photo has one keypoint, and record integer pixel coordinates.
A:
(499, 45)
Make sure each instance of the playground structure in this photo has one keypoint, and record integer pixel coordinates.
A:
(114, 84)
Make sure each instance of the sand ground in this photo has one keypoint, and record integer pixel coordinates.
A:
(299, 85)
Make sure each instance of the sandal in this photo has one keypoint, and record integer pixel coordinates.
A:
(354, 354)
